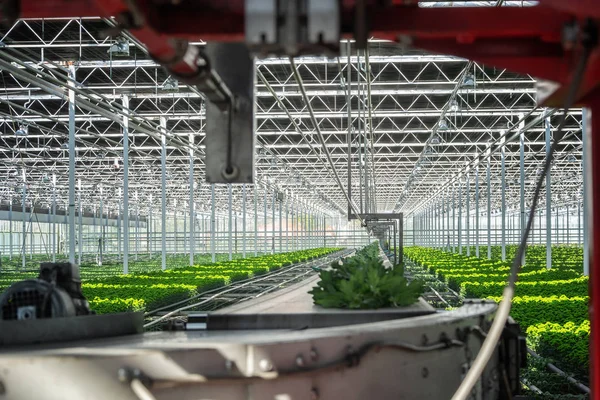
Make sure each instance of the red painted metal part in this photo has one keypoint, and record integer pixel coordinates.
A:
(593, 140)
(524, 40)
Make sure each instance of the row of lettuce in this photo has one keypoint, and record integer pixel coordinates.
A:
(148, 290)
(551, 305)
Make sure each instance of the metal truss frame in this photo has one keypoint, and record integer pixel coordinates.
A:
(425, 123)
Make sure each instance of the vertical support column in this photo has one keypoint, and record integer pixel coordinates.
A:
(453, 219)
(126, 185)
(477, 210)
(586, 166)
(175, 228)
(280, 227)
(71, 83)
(468, 219)
(522, 182)
(119, 223)
(192, 212)
(448, 221)
(255, 221)
(53, 220)
(548, 199)
(443, 230)
(265, 221)
(273, 222)
(80, 233)
(212, 223)
(10, 230)
(101, 239)
(460, 250)
(136, 245)
(24, 228)
(244, 220)
(230, 220)
(349, 109)
(287, 224)
(503, 187)
(163, 193)
(489, 204)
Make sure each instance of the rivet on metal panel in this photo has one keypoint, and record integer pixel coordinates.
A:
(300, 360)
(314, 356)
(265, 365)
(123, 375)
(314, 394)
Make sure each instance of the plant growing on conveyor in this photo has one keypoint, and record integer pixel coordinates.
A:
(363, 282)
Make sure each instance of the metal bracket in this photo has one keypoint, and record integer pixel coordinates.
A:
(293, 27)
(230, 130)
(372, 219)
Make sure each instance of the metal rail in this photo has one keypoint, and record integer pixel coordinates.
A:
(243, 290)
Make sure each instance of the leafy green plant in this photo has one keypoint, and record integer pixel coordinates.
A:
(567, 345)
(362, 282)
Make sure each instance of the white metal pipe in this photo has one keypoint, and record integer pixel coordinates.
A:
(548, 199)
(163, 192)
(126, 185)
(71, 84)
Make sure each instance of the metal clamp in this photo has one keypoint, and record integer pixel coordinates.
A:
(293, 27)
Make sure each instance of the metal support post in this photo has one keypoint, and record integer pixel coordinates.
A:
(477, 210)
(255, 221)
(468, 219)
(280, 227)
(192, 212)
(454, 219)
(163, 193)
(522, 182)
(503, 198)
(54, 250)
(101, 239)
(273, 222)
(136, 236)
(24, 214)
(244, 220)
(548, 199)
(126, 185)
(489, 206)
(230, 221)
(265, 221)
(71, 83)
(80, 233)
(212, 223)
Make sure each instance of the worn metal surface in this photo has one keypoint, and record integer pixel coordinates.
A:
(67, 330)
(236, 68)
(353, 362)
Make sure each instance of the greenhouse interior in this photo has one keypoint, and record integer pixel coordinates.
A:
(300, 199)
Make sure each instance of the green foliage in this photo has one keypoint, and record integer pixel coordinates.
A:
(551, 304)
(555, 387)
(569, 287)
(567, 345)
(363, 282)
(532, 310)
(149, 288)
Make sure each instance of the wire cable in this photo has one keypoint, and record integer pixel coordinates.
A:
(489, 345)
(322, 139)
